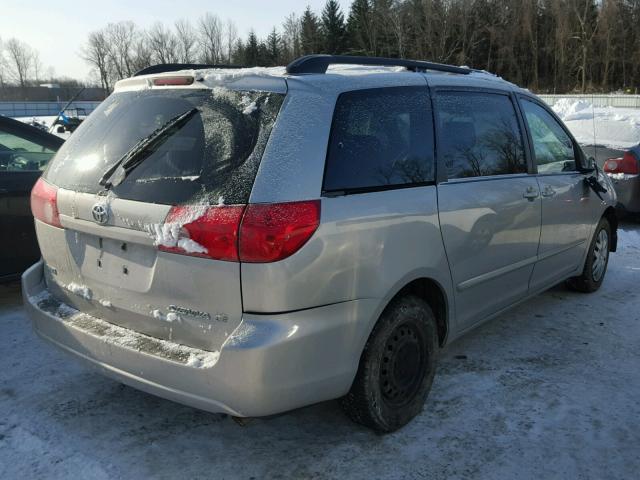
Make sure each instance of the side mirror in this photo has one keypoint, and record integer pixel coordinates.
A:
(589, 165)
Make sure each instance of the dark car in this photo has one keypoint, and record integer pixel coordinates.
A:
(623, 167)
(24, 153)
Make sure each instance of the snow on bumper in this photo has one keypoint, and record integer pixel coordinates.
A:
(272, 363)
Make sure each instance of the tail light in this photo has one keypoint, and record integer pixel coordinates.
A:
(44, 203)
(626, 164)
(272, 232)
(257, 233)
(213, 233)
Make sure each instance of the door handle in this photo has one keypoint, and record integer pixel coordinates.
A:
(548, 191)
(531, 193)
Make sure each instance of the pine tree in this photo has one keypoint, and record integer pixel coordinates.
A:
(310, 35)
(264, 59)
(251, 50)
(359, 26)
(237, 57)
(332, 28)
(274, 47)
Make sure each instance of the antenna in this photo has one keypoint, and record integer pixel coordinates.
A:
(593, 118)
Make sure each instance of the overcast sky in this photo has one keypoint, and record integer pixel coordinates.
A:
(58, 29)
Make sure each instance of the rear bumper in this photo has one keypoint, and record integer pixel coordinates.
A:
(628, 193)
(270, 364)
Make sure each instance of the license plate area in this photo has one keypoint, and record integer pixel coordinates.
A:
(113, 262)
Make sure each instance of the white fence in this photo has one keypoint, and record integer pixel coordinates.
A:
(42, 109)
(624, 101)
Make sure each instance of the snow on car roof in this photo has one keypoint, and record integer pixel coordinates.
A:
(274, 78)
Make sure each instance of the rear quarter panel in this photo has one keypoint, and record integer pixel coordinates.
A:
(368, 246)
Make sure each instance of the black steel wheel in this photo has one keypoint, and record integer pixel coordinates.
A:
(396, 368)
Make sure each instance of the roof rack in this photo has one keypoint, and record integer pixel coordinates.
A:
(174, 67)
(320, 64)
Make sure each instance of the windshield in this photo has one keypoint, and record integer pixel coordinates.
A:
(212, 159)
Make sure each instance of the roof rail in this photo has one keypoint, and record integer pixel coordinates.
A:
(174, 67)
(320, 64)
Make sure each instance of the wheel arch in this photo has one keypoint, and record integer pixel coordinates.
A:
(433, 293)
(430, 290)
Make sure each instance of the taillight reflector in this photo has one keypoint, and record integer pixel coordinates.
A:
(272, 232)
(44, 203)
(627, 164)
(213, 232)
(172, 81)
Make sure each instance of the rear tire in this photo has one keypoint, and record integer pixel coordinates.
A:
(595, 266)
(396, 368)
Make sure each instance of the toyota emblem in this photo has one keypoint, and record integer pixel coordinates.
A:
(100, 213)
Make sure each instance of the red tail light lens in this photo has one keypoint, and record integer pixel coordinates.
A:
(627, 164)
(210, 232)
(272, 232)
(44, 203)
(257, 233)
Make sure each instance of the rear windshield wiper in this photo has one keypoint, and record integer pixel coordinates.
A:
(144, 148)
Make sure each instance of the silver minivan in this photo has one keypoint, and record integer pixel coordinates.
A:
(251, 241)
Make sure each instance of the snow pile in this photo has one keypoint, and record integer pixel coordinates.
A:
(169, 317)
(617, 128)
(203, 361)
(220, 77)
(170, 234)
(567, 109)
(80, 290)
(249, 109)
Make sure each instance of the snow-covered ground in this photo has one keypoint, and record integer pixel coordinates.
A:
(610, 126)
(548, 390)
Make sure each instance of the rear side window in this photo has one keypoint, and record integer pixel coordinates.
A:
(479, 135)
(552, 146)
(212, 159)
(380, 138)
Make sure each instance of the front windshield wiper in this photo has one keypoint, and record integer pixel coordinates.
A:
(144, 148)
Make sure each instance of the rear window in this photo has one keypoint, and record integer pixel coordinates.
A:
(212, 159)
(380, 138)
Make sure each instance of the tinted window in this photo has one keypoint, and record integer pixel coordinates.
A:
(380, 138)
(552, 146)
(215, 156)
(478, 135)
(17, 154)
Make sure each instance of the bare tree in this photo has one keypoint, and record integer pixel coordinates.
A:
(291, 32)
(210, 38)
(231, 37)
(3, 66)
(96, 53)
(186, 41)
(37, 66)
(20, 59)
(142, 56)
(121, 38)
(163, 44)
(587, 29)
(395, 19)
